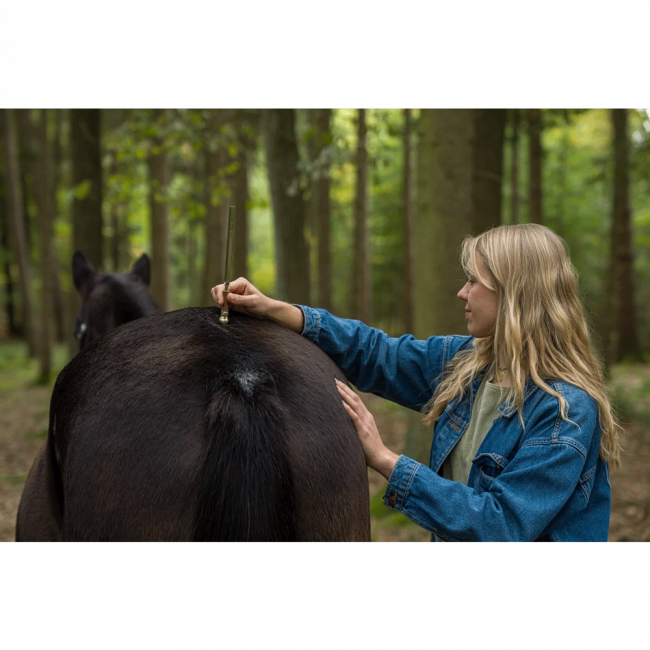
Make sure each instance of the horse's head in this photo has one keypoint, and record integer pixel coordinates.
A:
(110, 299)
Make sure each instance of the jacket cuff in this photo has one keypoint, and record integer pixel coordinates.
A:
(399, 482)
(312, 325)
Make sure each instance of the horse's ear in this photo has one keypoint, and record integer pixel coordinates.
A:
(82, 271)
(142, 269)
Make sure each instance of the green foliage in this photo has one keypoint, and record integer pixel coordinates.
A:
(577, 197)
(82, 190)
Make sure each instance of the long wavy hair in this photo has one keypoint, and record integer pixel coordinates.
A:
(540, 329)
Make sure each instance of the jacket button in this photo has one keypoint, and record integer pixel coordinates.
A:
(393, 499)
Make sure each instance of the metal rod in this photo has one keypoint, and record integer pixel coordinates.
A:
(228, 266)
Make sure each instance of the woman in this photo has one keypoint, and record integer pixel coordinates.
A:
(523, 430)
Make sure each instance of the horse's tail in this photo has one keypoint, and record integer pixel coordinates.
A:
(246, 491)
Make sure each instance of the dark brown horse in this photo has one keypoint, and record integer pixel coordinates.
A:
(109, 300)
(177, 427)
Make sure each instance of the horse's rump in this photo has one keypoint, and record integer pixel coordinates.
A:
(176, 427)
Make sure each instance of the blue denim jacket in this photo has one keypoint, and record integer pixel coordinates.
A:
(546, 482)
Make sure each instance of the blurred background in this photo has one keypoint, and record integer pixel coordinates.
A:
(359, 211)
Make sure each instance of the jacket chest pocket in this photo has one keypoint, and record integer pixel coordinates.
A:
(488, 467)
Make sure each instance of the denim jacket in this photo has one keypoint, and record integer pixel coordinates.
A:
(544, 483)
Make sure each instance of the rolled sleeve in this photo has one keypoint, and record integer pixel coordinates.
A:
(400, 479)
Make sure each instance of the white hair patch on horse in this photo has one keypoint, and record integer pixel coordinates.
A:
(248, 380)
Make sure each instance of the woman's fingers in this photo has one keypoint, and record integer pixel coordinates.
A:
(355, 407)
(244, 297)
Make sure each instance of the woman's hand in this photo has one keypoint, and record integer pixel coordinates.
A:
(378, 456)
(243, 296)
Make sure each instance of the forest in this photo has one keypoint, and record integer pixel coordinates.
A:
(359, 211)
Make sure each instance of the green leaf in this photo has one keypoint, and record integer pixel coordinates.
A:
(82, 190)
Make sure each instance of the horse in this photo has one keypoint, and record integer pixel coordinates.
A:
(177, 427)
(110, 299)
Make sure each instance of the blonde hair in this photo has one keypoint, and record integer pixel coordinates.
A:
(540, 325)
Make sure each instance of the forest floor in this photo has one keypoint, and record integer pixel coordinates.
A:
(24, 411)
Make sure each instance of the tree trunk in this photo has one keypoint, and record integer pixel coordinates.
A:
(292, 251)
(360, 296)
(57, 293)
(444, 217)
(489, 129)
(238, 183)
(216, 212)
(87, 182)
(45, 224)
(626, 335)
(535, 213)
(5, 254)
(409, 229)
(321, 186)
(158, 187)
(514, 167)
(17, 223)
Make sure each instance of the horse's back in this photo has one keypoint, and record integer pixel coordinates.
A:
(178, 427)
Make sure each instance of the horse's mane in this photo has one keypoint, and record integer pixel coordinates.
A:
(132, 291)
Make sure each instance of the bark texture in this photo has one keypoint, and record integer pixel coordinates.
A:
(535, 212)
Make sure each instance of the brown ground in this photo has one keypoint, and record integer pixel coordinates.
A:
(24, 417)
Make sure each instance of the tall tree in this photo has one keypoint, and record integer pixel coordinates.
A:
(57, 163)
(321, 205)
(216, 205)
(626, 339)
(159, 211)
(87, 183)
(360, 296)
(535, 154)
(17, 222)
(444, 218)
(291, 249)
(514, 166)
(5, 250)
(246, 124)
(489, 129)
(45, 225)
(409, 229)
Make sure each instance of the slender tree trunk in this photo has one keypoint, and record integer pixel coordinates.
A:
(360, 297)
(535, 212)
(292, 251)
(16, 219)
(5, 248)
(216, 210)
(45, 223)
(322, 119)
(57, 293)
(409, 229)
(115, 226)
(27, 165)
(238, 183)
(87, 181)
(626, 334)
(158, 187)
(514, 167)
(489, 129)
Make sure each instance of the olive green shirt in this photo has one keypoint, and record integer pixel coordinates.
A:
(484, 411)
